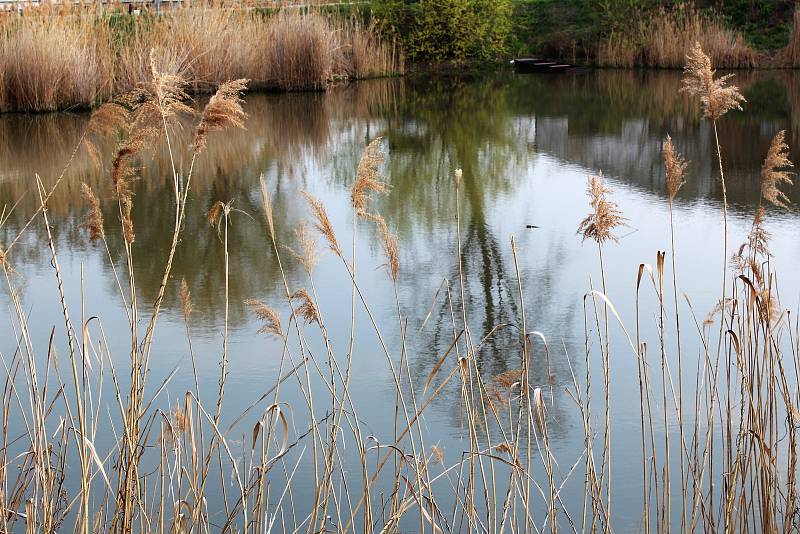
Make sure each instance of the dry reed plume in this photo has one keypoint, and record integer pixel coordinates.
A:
(716, 96)
(93, 220)
(368, 177)
(322, 222)
(675, 168)
(271, 321)
(307, 309)
(773, 173)
(186, 298)
(224, 110)
(605, 216)
(307, 255)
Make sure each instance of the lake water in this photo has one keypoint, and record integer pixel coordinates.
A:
(526, 144)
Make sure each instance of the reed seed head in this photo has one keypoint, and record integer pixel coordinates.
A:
(390, 246)
(368, 177)
(107, 120)
(323, 223)
(458, 175)
(307, 309)
(223, 110)
(506, 448)
(308, 248)
(93, 220)
(758, 238)
(438, 454)
(716, 96)
(605, 216)
(773, 172)
(267, 203)
(186, 298)
(768, 306)
(676, 168)
(271, 322)
(508, 379)
(217, 209)
(168, 92)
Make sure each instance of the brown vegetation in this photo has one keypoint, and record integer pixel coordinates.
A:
(662, 39)
(79, 58)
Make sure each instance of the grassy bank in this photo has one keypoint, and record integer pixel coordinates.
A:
(76, 58)
(717, 428)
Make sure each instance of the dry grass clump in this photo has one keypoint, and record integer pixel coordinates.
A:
(365, 53)
(54, 61)
(299, 51)
(206, 46)
(662, 39)
(773, 172)
(49, 63)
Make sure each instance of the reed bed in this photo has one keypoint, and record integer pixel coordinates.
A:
(730, 465)
(663, 38)
(76, 58)
(789, 55)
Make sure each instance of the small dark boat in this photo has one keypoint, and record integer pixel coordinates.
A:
(531, 64)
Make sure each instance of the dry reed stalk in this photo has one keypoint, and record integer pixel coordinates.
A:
(675, 169)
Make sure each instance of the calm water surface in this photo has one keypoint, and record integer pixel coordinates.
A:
(526, 144)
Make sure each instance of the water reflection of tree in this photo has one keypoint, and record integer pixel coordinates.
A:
(438, 126)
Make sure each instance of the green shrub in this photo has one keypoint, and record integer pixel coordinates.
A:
(438, 30)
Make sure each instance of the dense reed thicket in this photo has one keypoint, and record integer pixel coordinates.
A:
(718, 452)
(78, 58)
(662, 38)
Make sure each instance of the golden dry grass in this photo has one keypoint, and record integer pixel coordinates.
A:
(54, 61)
(49, 63)
(663, 40)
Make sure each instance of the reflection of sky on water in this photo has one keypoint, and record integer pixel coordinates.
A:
(526, 144)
